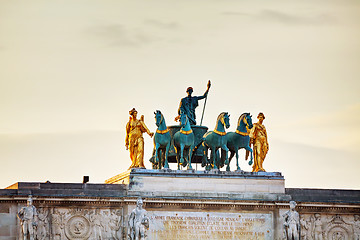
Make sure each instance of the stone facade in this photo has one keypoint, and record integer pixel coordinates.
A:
(184, 211)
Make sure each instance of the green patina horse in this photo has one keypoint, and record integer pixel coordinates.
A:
(214, 140)
(184, 142)
(162, 142)
(240, 138)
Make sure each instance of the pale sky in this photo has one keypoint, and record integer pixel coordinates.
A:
(72, 70)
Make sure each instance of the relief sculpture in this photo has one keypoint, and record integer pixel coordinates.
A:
(57, 224)
(61, 223)
(42, 232)
(329, 227)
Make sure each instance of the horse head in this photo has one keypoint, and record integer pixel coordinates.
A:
(158, 117)
(246, 120)
(249, 123)
(225, 119)
(183, 119)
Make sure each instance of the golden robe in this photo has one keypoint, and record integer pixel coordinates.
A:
(135, 141)
(258, 137)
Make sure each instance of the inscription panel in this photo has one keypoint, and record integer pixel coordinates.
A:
(210, 225)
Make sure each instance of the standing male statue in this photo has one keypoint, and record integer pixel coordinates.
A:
(138, 222)
(189, 103)
(28, 219)
(292, 223)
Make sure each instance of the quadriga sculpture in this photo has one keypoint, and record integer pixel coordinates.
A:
(214, 140)
(184, 142)
(162, 141)
(239, 139)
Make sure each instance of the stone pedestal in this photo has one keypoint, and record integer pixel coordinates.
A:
(203, 184)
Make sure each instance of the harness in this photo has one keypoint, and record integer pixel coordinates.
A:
(223, 123)
(186, 132)
(242, 133)
(162, 131)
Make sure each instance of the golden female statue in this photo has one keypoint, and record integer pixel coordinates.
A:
(258, 137)
(134, 140)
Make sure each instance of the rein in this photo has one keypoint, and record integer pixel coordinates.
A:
(247, 127)
(162, 131)
(186, 132)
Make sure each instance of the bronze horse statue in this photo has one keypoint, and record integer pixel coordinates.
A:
(162, 142)
(214, 140)
(184, 142)
(240, 139)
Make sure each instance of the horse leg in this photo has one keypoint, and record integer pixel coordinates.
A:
(204, 157)
(218, 159)
(251, 154)
(177, 157)
(232, 153)
(161, 156)
(182, 154)
(166, 155)
(227, 162)
(237, 160)
(191, 148)
(157, 146)
(213, 158)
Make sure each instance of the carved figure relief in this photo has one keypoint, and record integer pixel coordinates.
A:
(61, 223)
(43, 228)
(57, 224)
(330, 227)
(115, 224)
(317, 228)
(304, 226)
(95, 218)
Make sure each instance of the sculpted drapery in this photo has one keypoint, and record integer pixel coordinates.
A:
(134, 140)
(260, 143)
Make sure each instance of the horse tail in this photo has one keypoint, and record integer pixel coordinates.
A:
(196, 148)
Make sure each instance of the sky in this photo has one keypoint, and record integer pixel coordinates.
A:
(72, 70)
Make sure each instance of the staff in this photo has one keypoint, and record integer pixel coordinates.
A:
(202, 116)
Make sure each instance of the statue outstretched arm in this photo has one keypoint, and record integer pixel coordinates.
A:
(145, 127)
(206, 92)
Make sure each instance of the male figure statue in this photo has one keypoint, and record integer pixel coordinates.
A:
(28, 219)
(189, 103)
(292, 223)
(138, 222)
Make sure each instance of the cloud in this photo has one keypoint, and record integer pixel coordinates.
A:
(277, 16)
(163, 25)
(236, 14)
(120, 35)
(269, 15)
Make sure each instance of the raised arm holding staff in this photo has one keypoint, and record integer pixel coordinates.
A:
(189, 103)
